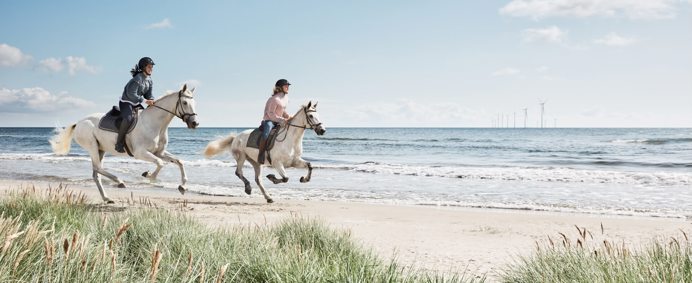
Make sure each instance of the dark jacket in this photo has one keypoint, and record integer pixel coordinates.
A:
(137, 89)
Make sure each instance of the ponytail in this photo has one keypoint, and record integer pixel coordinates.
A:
(136, 70)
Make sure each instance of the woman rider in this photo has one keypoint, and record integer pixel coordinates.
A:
(274, 114)
(137, 90)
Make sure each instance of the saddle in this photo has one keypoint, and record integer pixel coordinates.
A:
(111, 121)
(253, 140)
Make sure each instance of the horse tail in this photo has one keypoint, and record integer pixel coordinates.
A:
(61, 142)
(218, 146)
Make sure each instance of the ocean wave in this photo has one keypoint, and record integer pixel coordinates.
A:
(559, 173)
(616, 163)
(523, 174)
(659, 141)
(351, 139)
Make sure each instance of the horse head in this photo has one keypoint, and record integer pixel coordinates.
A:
(312, 118)
(185, 108)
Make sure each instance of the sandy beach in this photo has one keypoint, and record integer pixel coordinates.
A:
(434, 238)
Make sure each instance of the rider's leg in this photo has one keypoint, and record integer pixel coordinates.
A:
(126, 113)
(267, 126)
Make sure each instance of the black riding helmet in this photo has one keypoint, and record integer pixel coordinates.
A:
(281, 82)
(144, 62)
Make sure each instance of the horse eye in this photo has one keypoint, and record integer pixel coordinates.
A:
(310, 115)
(184, 102)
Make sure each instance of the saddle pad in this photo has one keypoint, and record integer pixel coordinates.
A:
(111, 121)
(253, 139)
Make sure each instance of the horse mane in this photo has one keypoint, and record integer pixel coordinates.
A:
(168, 93)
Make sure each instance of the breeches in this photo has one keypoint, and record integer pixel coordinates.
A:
(127, 112)
(267, 126)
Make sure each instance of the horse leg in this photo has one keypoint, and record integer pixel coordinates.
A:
(239, 172)
(258, 172)
(152, 176)
(114, 178)
(300, 163)
(166, 156)
(96, 159)
(148, 156)
(280, 169)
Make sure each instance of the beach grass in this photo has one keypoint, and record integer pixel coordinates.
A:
(55, 235)
(595, 258)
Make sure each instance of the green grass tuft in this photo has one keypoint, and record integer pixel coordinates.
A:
(54, 236)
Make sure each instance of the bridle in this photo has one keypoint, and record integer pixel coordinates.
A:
(311, 124)
(179, 108)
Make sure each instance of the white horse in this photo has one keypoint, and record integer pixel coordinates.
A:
(147, 141)
(288, 147)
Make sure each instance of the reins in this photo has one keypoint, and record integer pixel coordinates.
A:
(309, 125)
(178, 106)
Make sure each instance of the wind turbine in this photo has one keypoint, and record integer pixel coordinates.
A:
(526, 114)
(542, 103)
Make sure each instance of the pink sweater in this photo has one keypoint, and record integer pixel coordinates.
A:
(275, 109)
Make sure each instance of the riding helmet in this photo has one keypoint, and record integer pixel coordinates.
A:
(281, 82)
(144, 62)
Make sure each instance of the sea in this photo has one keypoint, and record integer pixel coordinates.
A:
(611, 171)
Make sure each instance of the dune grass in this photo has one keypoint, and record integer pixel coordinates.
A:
(56, 236)
(586, 258)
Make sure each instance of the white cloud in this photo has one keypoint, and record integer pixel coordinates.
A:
(551, 34)
(633, 9)
(75, 64)
(165, 23)
(52, 64)
(613, 39)
(506, 72)
(37, 99)
(11, 56)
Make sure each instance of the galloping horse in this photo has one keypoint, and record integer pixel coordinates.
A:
(288, 147)
(147, 141)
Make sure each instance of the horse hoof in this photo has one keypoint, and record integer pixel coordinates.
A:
(121, 185)
(274, 180)
(270, 200)
(145, 174)
(181, 189)
(304, 180)
(109, 201)
(248, 190)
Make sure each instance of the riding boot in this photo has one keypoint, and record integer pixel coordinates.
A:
(262, 146)
(122, 131)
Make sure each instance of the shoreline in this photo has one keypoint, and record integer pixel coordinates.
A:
(482, 240)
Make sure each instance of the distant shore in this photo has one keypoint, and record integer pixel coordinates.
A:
(434, 238)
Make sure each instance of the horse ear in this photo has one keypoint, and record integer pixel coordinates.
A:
(309, 104)
(315, 104)
(193, 90)
(184, 87)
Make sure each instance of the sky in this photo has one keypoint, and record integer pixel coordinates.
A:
(594, 63)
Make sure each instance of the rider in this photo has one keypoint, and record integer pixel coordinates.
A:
(137, 90)
(274, 113)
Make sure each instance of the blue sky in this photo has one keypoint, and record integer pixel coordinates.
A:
(596, 63)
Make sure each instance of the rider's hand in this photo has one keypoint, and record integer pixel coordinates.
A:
(149, 102)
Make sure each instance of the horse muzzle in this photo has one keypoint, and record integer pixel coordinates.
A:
(191, 122)
(320, 130)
